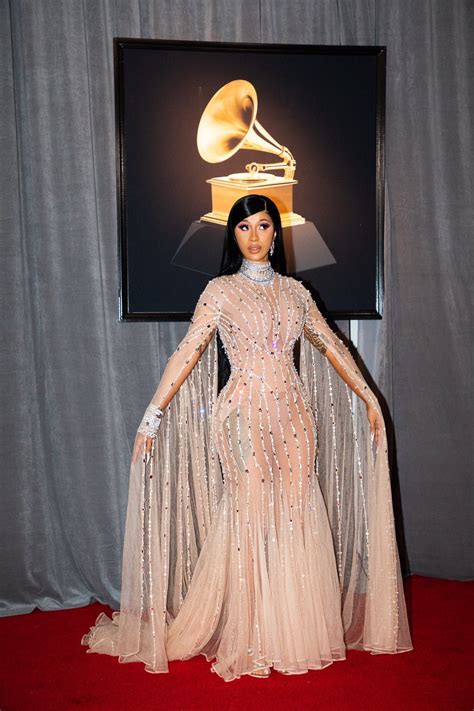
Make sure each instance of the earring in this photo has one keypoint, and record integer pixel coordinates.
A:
(272, 247)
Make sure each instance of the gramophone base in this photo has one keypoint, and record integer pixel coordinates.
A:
(225, 192)
(200, 249)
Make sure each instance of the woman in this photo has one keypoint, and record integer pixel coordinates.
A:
(259, 526)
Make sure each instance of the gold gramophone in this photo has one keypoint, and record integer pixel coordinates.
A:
(228, 124)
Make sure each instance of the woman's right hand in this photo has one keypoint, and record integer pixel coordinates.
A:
(374, 422)
(140, 446)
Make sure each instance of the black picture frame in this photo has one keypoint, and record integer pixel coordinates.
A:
(329, 101)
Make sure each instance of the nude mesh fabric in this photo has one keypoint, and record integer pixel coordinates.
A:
(261, 531)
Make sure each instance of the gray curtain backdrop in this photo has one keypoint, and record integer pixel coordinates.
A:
(75, 381)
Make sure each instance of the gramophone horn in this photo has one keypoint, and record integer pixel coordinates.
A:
(229, 123)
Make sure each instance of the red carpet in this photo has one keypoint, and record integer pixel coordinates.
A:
(44, 667)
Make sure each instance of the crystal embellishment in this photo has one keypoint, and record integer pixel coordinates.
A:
(259, 272)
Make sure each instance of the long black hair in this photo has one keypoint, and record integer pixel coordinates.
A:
(232, 256)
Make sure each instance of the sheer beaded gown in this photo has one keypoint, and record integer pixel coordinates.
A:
(260, 532)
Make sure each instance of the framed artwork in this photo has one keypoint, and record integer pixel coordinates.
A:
(200, 124)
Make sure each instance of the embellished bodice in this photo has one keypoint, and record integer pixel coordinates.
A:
(259, 322)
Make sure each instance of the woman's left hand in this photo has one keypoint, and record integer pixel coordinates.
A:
(375, 424)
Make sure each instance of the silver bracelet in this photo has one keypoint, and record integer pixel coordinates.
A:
(151, 420)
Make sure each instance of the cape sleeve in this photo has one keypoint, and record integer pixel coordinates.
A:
(172, 499)
(355, 481)
(201, 330)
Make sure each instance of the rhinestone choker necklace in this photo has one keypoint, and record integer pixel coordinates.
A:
(259, 272)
